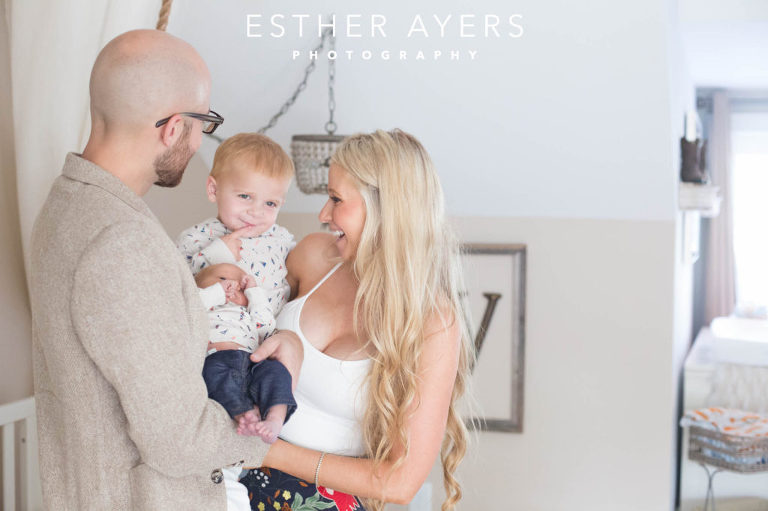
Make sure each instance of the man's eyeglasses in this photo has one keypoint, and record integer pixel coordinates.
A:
(211, 120)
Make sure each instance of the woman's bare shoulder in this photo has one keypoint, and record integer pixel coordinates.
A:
(312, 258)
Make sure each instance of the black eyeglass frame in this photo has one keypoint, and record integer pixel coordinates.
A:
(215, 119)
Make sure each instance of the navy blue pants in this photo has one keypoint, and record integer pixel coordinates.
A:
(239, 384)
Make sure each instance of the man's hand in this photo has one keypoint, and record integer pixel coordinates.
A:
(232, 240)
(285, 347)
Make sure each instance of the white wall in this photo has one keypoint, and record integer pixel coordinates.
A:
(562, 122)
(597, 328)
(716, 11)
(726, 42)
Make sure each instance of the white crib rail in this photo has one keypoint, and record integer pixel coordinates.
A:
(21, 414)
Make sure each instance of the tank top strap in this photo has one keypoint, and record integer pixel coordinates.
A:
(323, 280)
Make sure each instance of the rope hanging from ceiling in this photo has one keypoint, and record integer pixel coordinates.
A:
(163, 15)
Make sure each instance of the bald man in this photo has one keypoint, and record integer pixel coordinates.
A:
(119, 332)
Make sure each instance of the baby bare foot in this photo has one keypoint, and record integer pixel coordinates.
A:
(268, 429)
(247, 422)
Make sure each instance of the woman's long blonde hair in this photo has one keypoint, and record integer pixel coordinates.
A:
(407, 266)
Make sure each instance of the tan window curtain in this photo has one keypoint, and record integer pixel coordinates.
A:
(720, 296)
(53, 44)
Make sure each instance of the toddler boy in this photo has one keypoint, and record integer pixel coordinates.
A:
(248, 182)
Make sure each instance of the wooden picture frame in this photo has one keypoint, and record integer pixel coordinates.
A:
(495, 297)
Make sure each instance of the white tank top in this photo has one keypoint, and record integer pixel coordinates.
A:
(330, 395)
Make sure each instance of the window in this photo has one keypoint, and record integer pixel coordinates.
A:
(750, 209)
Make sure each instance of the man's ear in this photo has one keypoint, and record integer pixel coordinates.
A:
(210, 188)
(172, 130)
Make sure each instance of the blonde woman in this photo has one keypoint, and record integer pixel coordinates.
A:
(386, 353)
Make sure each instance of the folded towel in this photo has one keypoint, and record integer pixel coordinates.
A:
(727, 421)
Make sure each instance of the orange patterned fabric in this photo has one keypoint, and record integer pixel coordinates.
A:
(729, 421)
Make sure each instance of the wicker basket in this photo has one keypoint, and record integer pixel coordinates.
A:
(311, 154)
(731, 452)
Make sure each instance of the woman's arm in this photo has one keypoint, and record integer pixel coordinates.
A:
(425, 428)
(309, 261)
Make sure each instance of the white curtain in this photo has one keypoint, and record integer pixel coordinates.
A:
(53, 44)
(749, 126)
(720, 273)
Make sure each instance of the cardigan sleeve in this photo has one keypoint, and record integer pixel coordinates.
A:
(132, 313)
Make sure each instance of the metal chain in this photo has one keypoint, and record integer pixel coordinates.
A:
(330, 126)
(327, 33)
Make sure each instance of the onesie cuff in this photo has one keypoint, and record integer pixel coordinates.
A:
(218, 252)
(213, 295)
(257, 298)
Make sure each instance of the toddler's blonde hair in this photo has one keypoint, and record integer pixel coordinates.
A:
(258, 152)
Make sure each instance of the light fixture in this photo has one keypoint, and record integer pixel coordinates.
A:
(312, 153)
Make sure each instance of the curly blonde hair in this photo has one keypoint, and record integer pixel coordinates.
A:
(407, 266)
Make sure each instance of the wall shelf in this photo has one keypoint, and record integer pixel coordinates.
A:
(700, 197)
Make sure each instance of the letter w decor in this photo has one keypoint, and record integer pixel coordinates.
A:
(495, 294)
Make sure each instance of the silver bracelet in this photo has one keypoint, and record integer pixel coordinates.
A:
(317, 470)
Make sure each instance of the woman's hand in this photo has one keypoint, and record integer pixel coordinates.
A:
(285, 347)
